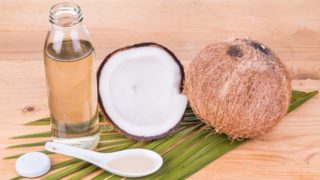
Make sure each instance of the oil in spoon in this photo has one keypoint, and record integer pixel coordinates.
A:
(132, 163)
(127, 163)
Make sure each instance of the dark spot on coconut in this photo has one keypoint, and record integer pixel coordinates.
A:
(235, 51)
(260, 47)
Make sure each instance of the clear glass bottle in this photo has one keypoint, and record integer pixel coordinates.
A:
(71, 78)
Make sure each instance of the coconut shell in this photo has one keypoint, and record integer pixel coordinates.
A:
(240, 87)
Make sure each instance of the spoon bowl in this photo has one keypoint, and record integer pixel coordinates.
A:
(126, 163)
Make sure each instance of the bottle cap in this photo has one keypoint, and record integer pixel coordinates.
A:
(33, 164)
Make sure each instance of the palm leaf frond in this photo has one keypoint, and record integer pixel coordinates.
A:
(34, 135)
(189, 148)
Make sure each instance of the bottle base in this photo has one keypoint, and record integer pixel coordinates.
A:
(87, 142)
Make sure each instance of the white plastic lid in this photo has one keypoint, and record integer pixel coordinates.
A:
(33, 164)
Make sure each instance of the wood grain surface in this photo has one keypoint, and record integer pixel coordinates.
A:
(290, 28)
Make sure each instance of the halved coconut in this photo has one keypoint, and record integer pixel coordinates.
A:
(140, 88)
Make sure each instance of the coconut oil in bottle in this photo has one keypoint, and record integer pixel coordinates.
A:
(71, 78)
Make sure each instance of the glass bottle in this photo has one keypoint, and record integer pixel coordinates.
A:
(71, 78)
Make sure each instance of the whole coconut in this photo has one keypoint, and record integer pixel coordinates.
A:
(240, 87)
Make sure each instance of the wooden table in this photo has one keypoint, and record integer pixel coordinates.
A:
(290, 28)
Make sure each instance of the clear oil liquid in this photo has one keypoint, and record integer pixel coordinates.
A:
(72, 93)
(132, 164)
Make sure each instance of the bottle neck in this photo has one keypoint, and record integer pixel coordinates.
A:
(65, 15)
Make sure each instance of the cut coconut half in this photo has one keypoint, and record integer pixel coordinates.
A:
(140, 90)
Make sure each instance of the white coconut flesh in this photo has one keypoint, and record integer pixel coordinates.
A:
(140, 91)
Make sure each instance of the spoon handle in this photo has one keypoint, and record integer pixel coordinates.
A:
(86, 155)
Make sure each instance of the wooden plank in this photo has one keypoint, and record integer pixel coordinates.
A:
(291, 28)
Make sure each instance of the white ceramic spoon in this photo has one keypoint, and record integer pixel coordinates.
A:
(127, 163)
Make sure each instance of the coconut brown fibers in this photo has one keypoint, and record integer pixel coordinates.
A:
(239, 87)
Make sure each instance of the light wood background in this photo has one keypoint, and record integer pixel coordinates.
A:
(290, 28)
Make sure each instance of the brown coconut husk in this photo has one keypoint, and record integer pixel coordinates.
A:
(240, 87)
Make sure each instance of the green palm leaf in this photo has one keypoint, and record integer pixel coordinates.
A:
(188, 149)
(27, 145)
(298, 101)
(18, 155)
(34, 135)
(43, 121)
